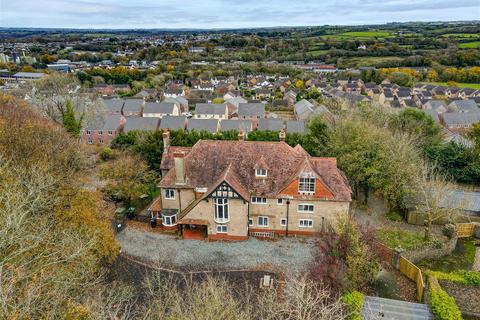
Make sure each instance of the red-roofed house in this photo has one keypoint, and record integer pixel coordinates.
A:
(230, 190)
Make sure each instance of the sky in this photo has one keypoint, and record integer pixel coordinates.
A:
(209, 14)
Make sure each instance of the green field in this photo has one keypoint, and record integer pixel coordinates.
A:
(357, 62)
(470, 45)
(358, 35)
(317, 53)
(460, 85)
(460, 35)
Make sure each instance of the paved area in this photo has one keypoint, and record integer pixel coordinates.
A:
(291, 256)
(380, 308)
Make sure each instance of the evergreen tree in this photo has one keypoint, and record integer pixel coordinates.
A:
(71, 124)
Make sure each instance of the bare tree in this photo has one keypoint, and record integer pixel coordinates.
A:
(432, 192)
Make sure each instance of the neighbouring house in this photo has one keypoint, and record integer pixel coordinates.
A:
(462, 106)
(181, 101)
(460, 121)
(437, 105)
(141, 124)
(233, 103)
(147, 94)
(211, 111)
(173, 93)
(102, 130)
(209, 125)
(132, 107)
(112, 106)
(230, 190)
(261, 94)
(160, 109)
(271, 124)
(293, 126)
(251, 111)
(173, 122)
(236, 124)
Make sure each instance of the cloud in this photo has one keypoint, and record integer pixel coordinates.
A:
(226, 13)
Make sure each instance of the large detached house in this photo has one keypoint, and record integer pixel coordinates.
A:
(230, 190)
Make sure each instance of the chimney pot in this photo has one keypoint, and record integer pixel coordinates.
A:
(282, 135)
(241, 135)
(166, 140)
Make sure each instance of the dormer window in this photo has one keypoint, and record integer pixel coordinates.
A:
(306, 185)
(260, 173)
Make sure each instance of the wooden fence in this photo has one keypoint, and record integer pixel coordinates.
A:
(414, 273)
(465, 230)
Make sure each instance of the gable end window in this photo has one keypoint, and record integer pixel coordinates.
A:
(306, 185)
(221, 210)
(169, 194)
(260, 173)
(305, 207)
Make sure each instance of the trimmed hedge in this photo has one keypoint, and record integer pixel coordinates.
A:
(470, 278)
(443, 306)
(354, 303)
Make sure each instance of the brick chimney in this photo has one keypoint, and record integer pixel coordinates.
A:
(179, 159)
(241, 136)
(282, 135)
(166, 140)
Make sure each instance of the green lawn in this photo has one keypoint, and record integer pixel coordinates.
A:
(470, 45)
(401, 239)
(460, 85)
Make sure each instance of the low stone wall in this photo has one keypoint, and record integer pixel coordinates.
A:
(433, 251)
(418, 219)
(476, 230)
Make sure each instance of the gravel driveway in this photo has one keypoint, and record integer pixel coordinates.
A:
(291, 256)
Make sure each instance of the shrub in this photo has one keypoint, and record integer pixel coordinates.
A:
(107, 154)
(443, 306)
(354, 304)
(449, 230)
(393, 216)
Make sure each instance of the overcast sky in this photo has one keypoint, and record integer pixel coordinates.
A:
(227, 13)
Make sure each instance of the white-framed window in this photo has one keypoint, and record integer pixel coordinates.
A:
(280, 202)
(90, 141)
(221, 210)
(169, 220)
(305, 223)
(110, 132)
(305, 207)
(260, 172)
(262, 221)
(100, 140)
(283, 222)
(89, 132)
(259, 200)
(250, 221)
(306, 185)
(221, 228)
(170, 194)
(100, 132)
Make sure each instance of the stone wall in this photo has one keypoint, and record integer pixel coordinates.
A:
(476, 230)
(433, 251)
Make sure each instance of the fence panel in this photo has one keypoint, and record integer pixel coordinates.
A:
(464, 230)
(414, 273)
(382, 251)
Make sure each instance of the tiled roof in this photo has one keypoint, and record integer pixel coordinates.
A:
(208, 160)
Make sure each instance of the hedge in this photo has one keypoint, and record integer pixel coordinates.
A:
(354, 303)
(443, 306)
(470, 278)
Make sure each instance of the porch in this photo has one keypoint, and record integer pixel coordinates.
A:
(193, 229)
